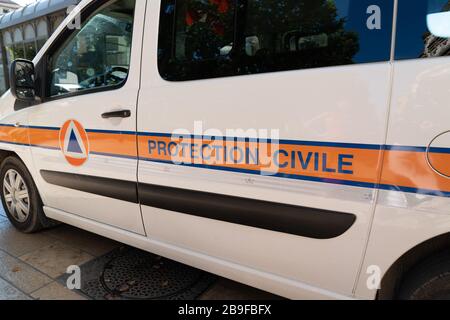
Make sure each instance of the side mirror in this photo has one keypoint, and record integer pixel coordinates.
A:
(23, 80)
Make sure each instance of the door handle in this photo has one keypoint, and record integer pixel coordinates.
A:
(117, 114)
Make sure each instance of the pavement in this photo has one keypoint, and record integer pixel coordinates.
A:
(31, 264)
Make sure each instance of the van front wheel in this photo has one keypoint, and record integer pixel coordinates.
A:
(20, 198)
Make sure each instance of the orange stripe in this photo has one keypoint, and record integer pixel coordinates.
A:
(120, 144)
(410, 169)
(14, 135)
(44, 138)
(441, 162)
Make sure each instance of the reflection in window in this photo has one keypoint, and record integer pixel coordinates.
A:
(96, 56)
(15, 51)
(3, 85)
(204, 29)
(217, 38)
(429, 35)
(22, 41)
(30, 50)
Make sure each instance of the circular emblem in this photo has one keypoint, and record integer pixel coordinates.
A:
(74, 143)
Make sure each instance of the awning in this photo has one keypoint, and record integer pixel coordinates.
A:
(33, 11)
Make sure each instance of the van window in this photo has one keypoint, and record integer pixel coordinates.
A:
(204, 30)
(97, 55)
(201, 39)
(423, 29)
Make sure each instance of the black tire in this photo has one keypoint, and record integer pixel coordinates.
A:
(36, 219)
(430, 280)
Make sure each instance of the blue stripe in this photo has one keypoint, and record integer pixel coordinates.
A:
(114, 155)
(44, 147)
(316, 179)
(427, 192)
(333, 144)
(28, 145)
(417, 149)
(405, 148)
(41, 128)
(288, 142)
(111, 132)
(15, 143)
(303, 143)
(6, 125)
(440, 150)
(279, 175)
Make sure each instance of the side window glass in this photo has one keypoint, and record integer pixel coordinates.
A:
(295, 34)
(202, 39)
(429, 33)
(204, 29)
(98, 54)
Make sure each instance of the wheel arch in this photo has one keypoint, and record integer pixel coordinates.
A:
(4, 154)
(7, 153)
(393, 278)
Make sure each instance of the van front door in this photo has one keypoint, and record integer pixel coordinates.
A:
(84, 133)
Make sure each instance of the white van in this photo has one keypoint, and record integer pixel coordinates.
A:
(298, 146)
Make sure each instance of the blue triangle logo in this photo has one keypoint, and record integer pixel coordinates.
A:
(74, 146)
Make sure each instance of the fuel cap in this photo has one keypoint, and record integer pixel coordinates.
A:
(438, 154)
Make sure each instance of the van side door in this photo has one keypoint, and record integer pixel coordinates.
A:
(261, 129)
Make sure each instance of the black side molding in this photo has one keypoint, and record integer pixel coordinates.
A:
(111, 188)
(300, 221)
(285, 218)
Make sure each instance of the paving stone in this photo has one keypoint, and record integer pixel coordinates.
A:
(20, 274)
(16, 243)
(229, 290)
(54, 259)
(9, 292)
(86, 241)
(55, 291)
(2, 211)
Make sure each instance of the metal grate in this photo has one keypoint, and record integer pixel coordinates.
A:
(132, 274)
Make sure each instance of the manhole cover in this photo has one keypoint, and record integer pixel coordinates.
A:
(129, 273)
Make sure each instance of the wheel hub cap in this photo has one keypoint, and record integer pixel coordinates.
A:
(16, 195)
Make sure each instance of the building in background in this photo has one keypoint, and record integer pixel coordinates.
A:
(7, 6)
(24, 31)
